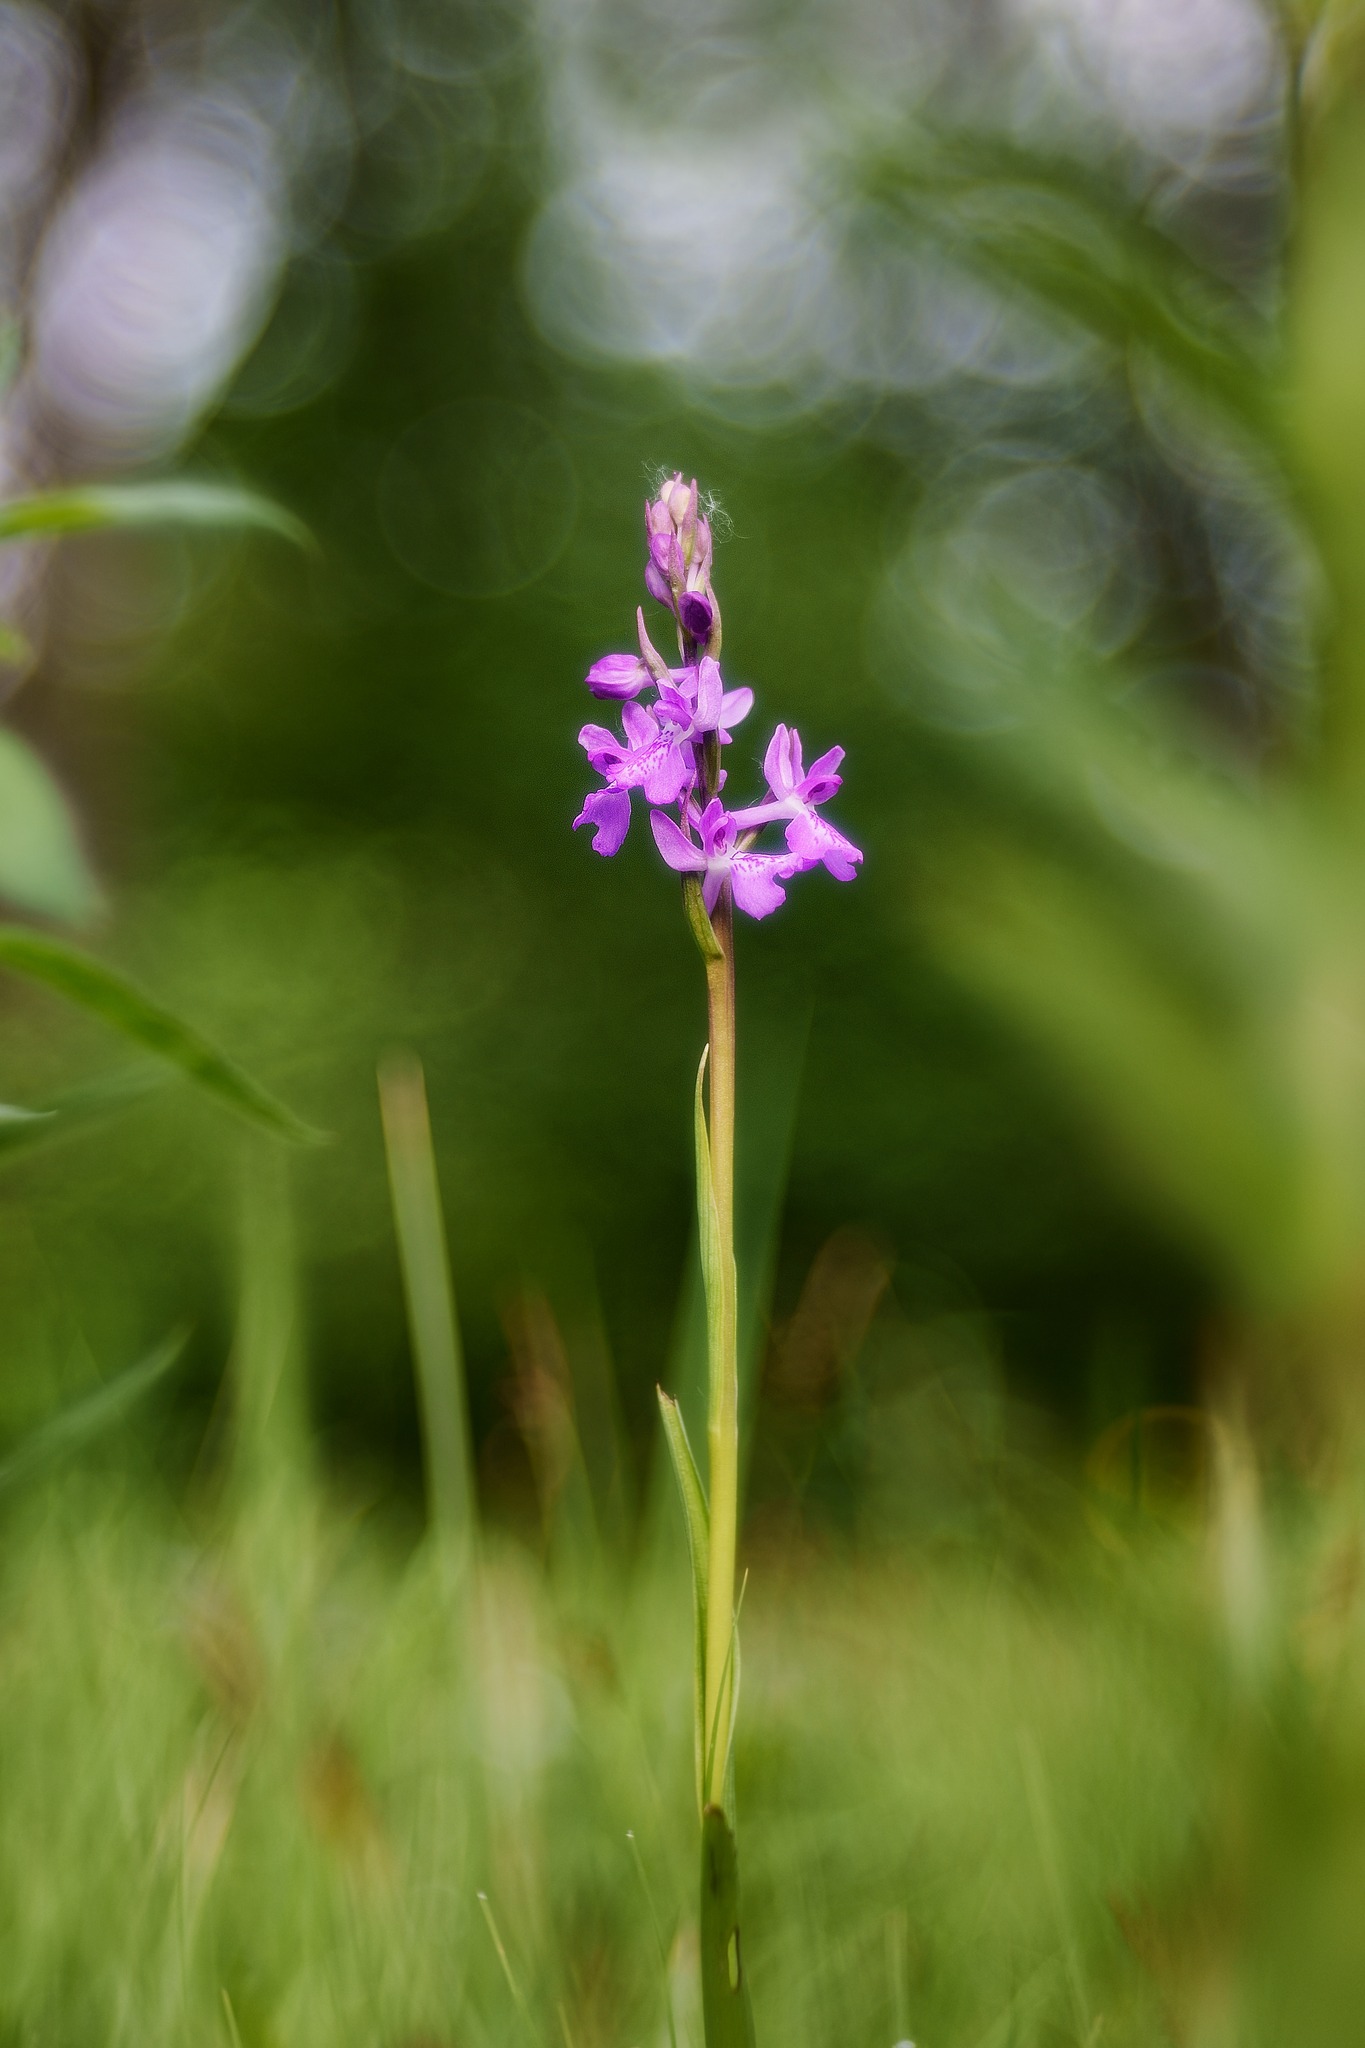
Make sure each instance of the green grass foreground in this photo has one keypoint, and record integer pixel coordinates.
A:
(1058, 1773)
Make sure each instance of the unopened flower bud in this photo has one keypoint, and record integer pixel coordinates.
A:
(695, 614)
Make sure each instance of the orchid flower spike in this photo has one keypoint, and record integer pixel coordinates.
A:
(671, 748)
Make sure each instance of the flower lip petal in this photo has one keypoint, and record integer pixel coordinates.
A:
(756, 879)
(813, 839)
(667, 778)
(608, 812)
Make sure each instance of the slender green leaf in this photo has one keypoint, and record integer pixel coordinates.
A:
(92, 986)
(12, 1115)
(66, 1114)
(178, 501)
(726, 2011)
(697, 1521)
(42, 868)
(433, 1324)
(90, 1417)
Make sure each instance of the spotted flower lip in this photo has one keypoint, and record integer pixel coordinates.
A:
(755, 878)
(795, 794)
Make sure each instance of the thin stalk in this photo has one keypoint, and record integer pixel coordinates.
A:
(427, 1286)
(722, 1429)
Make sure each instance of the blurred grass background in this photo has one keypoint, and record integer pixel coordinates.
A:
(1022, 348)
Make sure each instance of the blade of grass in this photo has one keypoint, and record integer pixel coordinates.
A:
(121, 1004)
(1045, 1833)
(433, 1324)
(83, 1421)
(513, 1985)
(659, 1942)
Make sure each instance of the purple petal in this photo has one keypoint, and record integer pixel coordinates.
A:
(777, 763)
(657, 585)
(602, 748)
(822, 778)
(757, 880)
(755, 816)
(717, 831)
(608, 812)
(642, 727)
(710, 694)
(736, 705)
(813, 838)
(716, 877)
(675, 705)
(668, 776)
(617, 675)
(676, 848)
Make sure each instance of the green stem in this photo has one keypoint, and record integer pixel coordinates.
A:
(722, 1429)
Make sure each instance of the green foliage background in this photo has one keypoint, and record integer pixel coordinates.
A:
(1052, 1169)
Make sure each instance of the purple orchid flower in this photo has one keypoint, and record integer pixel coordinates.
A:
(794, 795)
(755, 878)
(658, 753)
(670, 748)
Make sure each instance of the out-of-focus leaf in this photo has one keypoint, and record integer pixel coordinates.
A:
(1084, 249)
(180, 501)
(42, 868)
(1185, 1096)
(70, 1112)
(14, 1118)
(85, 1420)
(121, 1004)
(13, 646)
(11, 353)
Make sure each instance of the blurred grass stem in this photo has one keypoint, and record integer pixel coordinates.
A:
(430, 1295)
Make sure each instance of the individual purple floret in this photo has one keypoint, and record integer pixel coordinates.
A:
(755, 878)
(794, 796)
(671, 748)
